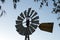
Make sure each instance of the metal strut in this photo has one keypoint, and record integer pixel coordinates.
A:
(27, 33)
(27, 37)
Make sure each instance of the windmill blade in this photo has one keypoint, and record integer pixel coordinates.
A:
(34, 14)
(34, 26)
(19, 18)
(46, 27)
(18, 22)
(28, 31)
(32, 30)
(20, 32)
(22, 15)
(37, 17)
(28, 12)
(25, 13)
(36, 22)
(31, 12)
(20, 29)
(18, 26)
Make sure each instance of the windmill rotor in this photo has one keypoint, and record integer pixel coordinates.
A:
(27, 22)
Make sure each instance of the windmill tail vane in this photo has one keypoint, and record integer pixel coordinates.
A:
(48, 27)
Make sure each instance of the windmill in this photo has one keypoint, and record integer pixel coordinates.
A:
(28, 21)
(30, 18)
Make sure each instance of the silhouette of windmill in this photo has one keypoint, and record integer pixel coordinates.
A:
(31, 20)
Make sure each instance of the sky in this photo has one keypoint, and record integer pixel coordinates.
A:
(8, 21)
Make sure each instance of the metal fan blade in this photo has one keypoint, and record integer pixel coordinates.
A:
(32, 12)
(19, 18)
(32, 30)
(18, 26)
(36, 22)
(18, 22)
(37, 17)
(28, 11)
(46, 27)
(34, 26)
(25, 13)
(20, 29)
(22, 15)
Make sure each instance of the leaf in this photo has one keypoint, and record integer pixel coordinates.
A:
(2, 1)
(14, 6)
(41, 6)
(41, 3)
(47, 4)
(59, 25)
(34, 0)
(15, 1)
(0, 7)
(53, 0)
(58, 18)
(55, 4)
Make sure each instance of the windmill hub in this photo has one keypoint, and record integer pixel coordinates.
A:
(25, 20)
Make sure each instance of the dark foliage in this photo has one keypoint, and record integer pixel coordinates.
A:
(14, 6)
(2, 13)
(59, 25)
(18, 0)
(14, 2)
(2, 1)
(0, 7)
(57, 6)
(42, 3)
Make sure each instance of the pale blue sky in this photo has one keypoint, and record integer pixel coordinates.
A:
(7, 22)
